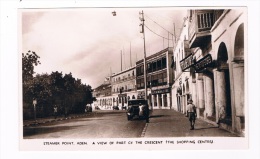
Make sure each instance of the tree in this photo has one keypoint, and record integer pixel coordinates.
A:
(28, 61)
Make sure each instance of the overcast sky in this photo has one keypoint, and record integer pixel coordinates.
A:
(87, 42)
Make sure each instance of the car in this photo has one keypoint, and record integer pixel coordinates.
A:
(88, 108)
(115, 108)
(139, 108)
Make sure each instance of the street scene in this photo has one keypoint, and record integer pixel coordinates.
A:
(113, 124)
(133, 73)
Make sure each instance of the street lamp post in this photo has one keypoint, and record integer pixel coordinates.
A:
(142, 31)
(34, 108)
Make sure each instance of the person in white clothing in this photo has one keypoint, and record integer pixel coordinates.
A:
(192, 114)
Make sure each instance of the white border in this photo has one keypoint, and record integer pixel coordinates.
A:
(9, 83)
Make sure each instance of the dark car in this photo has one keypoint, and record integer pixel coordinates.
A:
(115, 108)
(88, 108)
(139, 108)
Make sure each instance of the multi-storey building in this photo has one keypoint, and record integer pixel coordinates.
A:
(123, 87)
(181, 91)
(213, 73)
(103, 95)
(159, 79)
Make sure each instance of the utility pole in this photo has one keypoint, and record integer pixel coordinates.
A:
(142, 31)
(130, 56)
(174, 32)
(121, 60)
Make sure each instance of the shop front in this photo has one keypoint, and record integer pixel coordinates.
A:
(160, 98)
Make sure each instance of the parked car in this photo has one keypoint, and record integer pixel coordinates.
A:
(139, 108)
(115, 108)
(88, 108)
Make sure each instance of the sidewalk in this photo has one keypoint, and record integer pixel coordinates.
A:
(170, 123)
(51, 119)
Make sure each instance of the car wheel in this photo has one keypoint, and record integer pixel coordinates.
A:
(128, 117)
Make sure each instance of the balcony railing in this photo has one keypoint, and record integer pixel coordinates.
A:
(124, 79)
(200, 26)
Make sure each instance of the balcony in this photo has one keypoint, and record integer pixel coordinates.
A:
(199, 28)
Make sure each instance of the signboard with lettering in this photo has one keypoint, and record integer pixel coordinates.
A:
(161, 91)
(121, 95)
(187, 62)
(203, 63)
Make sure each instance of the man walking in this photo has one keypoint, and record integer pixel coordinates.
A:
(192, 114)
(55, 110)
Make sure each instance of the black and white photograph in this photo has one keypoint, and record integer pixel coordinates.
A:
(133, 78)
(133, 72)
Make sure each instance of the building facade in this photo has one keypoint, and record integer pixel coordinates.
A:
(159, 79)
(212, 71)
(103, 95)
(123, 87)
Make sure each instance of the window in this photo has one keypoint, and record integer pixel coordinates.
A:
(164, 62)
(160, 79)
(165, 78)
(142, 83)
(159, 64)
(154, 68)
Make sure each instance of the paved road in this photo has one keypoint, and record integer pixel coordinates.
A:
(102, 124)
(170, 123)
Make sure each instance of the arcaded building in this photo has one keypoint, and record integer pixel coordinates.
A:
(212, 73)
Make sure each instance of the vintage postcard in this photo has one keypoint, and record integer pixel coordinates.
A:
(133, 78)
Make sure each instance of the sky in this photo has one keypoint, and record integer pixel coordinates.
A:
(88, 41)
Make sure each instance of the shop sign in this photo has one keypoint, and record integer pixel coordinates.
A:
(161, 91)
(187, 62)
(203, 63)
(121, 95)
(140, 94)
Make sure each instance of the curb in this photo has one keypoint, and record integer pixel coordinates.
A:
(53, 120)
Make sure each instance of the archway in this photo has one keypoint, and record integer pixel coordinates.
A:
(223, 80)
(238, 73)
(239, 43)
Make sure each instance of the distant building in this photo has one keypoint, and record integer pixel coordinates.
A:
(159, 78)
(123, 87)
(103, 95)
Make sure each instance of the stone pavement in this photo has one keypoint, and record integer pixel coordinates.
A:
(170, 123)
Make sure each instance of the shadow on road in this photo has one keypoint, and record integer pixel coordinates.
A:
(158, 116)
(33, 130)
(213, 127)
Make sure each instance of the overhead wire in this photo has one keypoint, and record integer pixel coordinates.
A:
(156, 33)
(158, 24)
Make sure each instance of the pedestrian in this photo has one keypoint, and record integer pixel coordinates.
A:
(55, 109)
(192, 114)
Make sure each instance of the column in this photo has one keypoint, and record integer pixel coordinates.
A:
(194, 97)
(238, 77)
(168, 96)
(152, 101)
(201, 101)
(182, 104)
(162, 100)
(238, 95)
(209, 96)
(220, 91)
(157, 98)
